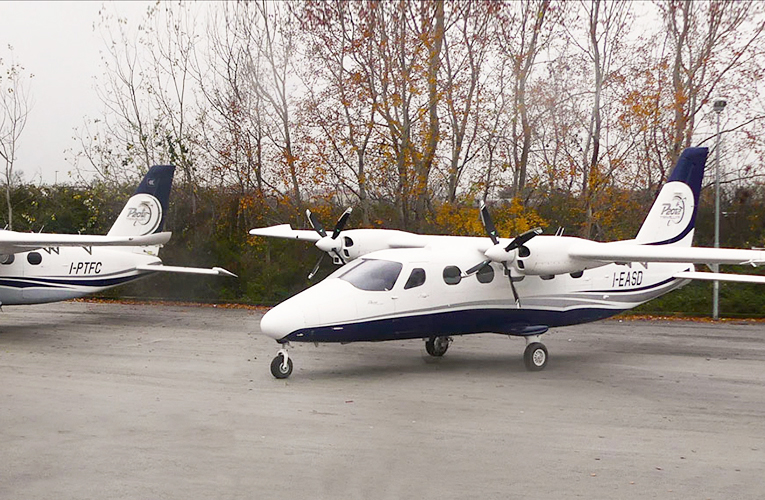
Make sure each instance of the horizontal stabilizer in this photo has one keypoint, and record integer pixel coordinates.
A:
(737, 278)
(215, 271)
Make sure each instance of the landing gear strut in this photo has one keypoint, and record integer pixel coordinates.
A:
(281, 365)
(437, 346)
(535, 356)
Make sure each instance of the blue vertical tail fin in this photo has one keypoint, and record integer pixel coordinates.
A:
(672, 218)
(144, 213)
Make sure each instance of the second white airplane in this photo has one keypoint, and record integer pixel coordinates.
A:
(37, 268)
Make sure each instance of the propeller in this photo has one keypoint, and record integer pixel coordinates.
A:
(327, 243)
(497, 254)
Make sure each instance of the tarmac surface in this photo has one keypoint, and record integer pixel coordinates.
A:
(108, 401)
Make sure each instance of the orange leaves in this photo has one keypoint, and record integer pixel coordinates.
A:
(460, 218)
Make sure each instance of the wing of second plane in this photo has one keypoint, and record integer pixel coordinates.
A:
(215, 271)
(14, 242)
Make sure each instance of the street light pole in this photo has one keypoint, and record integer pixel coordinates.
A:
(718, 106)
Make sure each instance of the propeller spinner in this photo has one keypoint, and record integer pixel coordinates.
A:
(328, 243)
(498, 253)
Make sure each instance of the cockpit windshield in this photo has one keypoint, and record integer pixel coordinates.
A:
(373, 275)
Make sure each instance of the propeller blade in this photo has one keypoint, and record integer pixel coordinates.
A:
(488, 224)
(476, 268)
(315, 224)
(341, 222)
(316, 267)
(522, 239)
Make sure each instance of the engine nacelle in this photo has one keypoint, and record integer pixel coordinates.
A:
(548, 255)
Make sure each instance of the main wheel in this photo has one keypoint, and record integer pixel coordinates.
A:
(437, 346)
(535, 356)
(278, 368)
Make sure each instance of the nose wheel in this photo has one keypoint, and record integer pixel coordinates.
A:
(281, 365)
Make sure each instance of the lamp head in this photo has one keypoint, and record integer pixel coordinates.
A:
(719, 105)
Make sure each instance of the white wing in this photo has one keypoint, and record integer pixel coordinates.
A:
(627, 252)
(738, 278)
(14, 242)
(215, 271)
(286, 231)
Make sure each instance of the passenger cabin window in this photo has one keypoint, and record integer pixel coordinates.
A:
(485, 274)
(452, 275)
(8, 259)
(34, 258)
(416, 279)
(524, 251)
(373, 275)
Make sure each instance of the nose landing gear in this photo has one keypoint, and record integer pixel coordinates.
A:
(281, 365)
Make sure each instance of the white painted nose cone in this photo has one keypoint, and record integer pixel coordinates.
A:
(282, 321)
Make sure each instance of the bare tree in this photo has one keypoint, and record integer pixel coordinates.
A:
(465, 56)
(522, 35)
(14, 110)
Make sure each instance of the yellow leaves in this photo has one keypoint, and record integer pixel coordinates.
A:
(511, 219)
(457, 219)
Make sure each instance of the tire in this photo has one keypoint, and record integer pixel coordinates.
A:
(437, 346)
(277, 367)
(535, 357)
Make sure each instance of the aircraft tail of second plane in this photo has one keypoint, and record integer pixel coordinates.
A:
(144, 213)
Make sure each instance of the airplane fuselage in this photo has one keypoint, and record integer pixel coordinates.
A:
(430, 296)
(63, 273)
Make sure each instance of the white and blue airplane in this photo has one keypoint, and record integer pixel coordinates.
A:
(398, 285)
(37, 268)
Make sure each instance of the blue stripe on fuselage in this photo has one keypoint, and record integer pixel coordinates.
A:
(32, 282)
(507, 321)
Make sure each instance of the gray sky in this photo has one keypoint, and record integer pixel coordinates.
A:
(56, 42)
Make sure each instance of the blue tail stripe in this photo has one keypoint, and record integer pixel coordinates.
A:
(689, 170)
(157, 182)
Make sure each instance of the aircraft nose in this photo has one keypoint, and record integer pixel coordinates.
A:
(281, 321)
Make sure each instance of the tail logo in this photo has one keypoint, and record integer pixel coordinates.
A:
(674, 211)
(145, 212)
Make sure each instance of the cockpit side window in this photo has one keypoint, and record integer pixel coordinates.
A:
(373, 275)
(416, 279)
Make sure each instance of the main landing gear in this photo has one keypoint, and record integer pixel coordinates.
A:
(437, 346)
(535, 355)
(281, 365)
